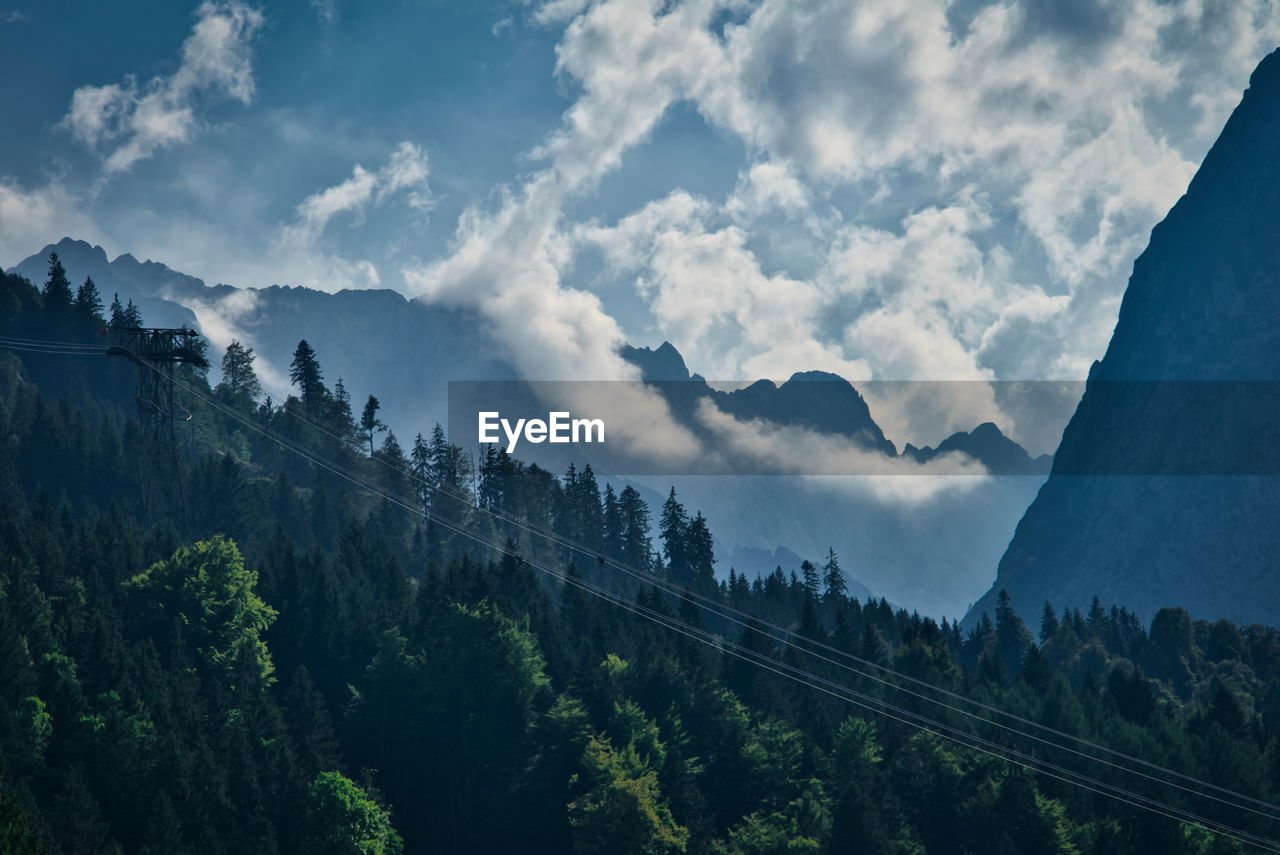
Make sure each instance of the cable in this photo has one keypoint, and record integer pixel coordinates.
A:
(874, 704)
(52, 343)
(33, 349)
(754, 624)
(813, 681)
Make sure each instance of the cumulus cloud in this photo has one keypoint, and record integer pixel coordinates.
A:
(32, 217)
(508, 260)
(129, 121)
(929, 192)
(303, 255)
(973, 182)
(767, 187)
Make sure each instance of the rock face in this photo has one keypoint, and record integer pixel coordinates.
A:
(1164, 490)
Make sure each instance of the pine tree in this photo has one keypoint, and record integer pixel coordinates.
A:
(88, 301)
(673, 529)
(369, 422)
(116, 312)
(836, 588)
(57, 288)
(1048, 622)
(637, 549)
(132, 314)
(240, 382)
(450, 470)
(1011, 635)
(420, 465)
(341, 420)
(584, 501)
(701, 554)
(810, 575)
(397, 464)
(305, 373)
(613, 528)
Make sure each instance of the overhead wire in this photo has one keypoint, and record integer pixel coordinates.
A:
(50, 343)
(798, 675)
(791, 639)
(814, 681)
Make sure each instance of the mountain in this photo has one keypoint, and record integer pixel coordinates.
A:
(377, 341)
(986, 443)
(1163, 490)
(824, 403)
(933, 553)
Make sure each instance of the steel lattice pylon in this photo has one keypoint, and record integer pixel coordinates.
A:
(156, 351)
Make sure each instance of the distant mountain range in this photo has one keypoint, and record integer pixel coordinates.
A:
(934, 554)
(377, 341)
(1164, 488)
(824, 403)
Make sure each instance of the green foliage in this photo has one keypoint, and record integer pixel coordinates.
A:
(207, 594)
(35, 726)
(621, 809)
(342, 819)
(485, 708)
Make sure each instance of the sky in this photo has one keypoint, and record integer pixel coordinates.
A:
(889, 189)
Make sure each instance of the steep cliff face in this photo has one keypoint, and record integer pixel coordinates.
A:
(1164, 490)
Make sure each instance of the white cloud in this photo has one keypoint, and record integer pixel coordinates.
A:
(304, 257)
(921, 198)
(756, 445)
(132, 121)
(223, 320)
(974, 191)
(31, 218)
(765, 187)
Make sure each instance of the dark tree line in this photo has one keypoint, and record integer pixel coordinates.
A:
(295, 666)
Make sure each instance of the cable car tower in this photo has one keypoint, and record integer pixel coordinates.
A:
(156, 352)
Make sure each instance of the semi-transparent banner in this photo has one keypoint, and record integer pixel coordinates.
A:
(822, 425)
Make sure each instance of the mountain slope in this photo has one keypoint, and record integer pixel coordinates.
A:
(377, 341)
(934, 554)
(1163, 489)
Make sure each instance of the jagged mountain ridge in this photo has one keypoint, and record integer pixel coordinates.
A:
(825, 403)
(934, 556)
(378, 341)
(1201, 313)
(439, 337)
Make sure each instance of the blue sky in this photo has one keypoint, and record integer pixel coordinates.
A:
(886, 189)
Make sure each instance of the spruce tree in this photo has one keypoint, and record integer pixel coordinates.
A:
(88, 302)
(836, 588)
(369, 422)
(637, 549)
(341, 420)
(673, 530)
(810, 575)
(57, 288)
(305, 373)
(240, 382)
(701, 554)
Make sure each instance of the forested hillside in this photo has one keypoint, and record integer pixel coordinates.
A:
(314, 638)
